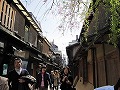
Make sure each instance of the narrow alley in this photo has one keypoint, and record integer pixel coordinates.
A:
(84, 47)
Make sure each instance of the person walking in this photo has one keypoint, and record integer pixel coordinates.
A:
(56, 80)
(15, 81)
(52, 77)
(66, 79)
(43, 79)
(4, 83)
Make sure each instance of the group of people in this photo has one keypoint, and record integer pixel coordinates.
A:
(64, 79)
(20, 79)
(55, 79)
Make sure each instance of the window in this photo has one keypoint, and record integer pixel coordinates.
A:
(5, 68)
(26, 34)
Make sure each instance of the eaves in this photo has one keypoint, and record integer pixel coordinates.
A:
(69, 50)
(15, 40)
(28, 16)
(91, 40)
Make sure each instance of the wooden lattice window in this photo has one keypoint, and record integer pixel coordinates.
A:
(7, 15)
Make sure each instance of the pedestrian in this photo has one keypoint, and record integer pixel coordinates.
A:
(38, 70)
(43, 79)
(66, 79)
(14, 76)
(56, 80)
(4, 83)
(52, 76)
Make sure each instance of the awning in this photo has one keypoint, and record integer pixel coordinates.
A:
(36, 58)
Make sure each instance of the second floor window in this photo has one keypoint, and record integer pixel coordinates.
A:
(26, 37)
(7, 15)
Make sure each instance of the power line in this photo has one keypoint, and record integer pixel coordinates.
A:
(39, 10)
(47, 11)
(31, 2)
(36, 6)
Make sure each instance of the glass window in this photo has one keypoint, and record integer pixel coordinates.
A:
(5, 68)
(24, 64)
(26, 34)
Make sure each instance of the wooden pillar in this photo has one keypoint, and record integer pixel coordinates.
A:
(105, 64)
(93, 50)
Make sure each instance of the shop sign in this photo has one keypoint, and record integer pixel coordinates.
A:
(23, 54)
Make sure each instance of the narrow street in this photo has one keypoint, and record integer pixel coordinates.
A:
(87, 41)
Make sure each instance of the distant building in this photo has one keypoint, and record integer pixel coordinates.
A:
(57, 57)
(74, 41)
(54, 47)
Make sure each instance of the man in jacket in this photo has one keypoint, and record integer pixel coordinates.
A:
(4, 83)
(43, 79)
(14, 76)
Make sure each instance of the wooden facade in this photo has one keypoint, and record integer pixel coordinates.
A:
(20, 35)
(97, 60)
(7, 15)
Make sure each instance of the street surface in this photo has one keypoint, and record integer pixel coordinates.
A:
(54, 89)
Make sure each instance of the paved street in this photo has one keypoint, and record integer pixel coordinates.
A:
(58, 88)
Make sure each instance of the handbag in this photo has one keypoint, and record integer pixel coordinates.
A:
(29, 78)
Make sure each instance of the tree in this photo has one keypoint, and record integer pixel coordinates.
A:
(114, 9)
(71, 12)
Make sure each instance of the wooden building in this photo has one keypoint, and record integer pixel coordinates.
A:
(20, 35)
(97, 61)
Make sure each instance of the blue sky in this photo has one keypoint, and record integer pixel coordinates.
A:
(49, 24)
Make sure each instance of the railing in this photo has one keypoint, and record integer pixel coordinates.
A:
(7, 15)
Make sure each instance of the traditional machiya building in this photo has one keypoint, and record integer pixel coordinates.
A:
(20, 35)
(97, 60)
(48, 53)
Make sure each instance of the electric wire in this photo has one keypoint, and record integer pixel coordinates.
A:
(47, 11)
(36, 6)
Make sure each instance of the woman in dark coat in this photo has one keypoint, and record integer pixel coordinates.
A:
(66, 79)
(15, 80)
